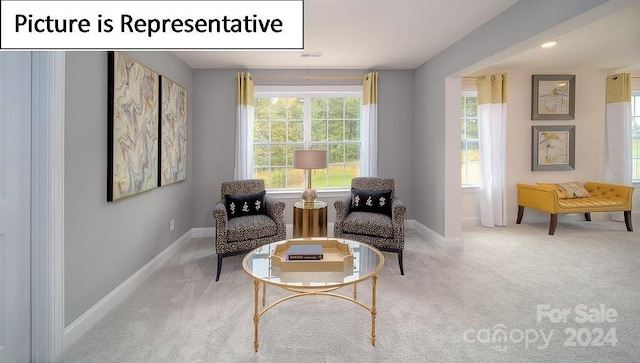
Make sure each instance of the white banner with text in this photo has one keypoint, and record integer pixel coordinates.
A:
(152, 25)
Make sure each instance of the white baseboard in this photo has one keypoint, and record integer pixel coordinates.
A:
(470, 221)
(87, 320)
(431, 235)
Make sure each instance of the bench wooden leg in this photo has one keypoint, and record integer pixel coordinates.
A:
(553, 223)
(627, 220)
(587, 216)
(520, 214)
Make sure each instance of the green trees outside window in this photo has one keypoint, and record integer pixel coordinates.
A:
(286, 123)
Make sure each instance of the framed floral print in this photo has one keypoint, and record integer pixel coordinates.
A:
(132, 134)
(553, 97)
(553, 148)
(173, 132)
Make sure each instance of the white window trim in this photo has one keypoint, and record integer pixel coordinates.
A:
(302, 91)
(264, 91)
(322, 193)
(471, 188)
(636, 93)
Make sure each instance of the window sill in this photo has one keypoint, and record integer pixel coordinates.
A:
(471, 189)
(288, 194)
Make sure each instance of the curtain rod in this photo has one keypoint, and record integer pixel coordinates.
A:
(484, 75)
(305, 78)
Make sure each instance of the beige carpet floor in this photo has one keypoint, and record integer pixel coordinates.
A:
(492, 301)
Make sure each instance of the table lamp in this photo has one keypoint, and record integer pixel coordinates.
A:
(309, 159)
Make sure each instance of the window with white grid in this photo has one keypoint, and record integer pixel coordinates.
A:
(470, 152)
(635, 137)
(288, 119)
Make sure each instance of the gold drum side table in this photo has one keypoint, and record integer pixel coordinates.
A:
(309, 219)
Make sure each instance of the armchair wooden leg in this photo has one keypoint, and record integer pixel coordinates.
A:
(587, 216)
(553, 223)
(627, 220)
(219, 267)
(400, 262)
(520, 214)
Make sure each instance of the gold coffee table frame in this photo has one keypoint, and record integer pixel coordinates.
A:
(299, 290)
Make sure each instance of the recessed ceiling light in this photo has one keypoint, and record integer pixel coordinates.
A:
(548, 44)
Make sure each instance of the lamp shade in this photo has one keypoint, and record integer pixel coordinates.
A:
(310, 159)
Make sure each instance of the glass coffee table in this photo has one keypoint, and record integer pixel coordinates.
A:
(344, 263)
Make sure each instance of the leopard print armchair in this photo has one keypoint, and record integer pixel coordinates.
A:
(384, 232)
(242, 234)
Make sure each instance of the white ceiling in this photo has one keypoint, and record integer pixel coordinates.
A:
(366, 34)
(372, 34)
(610, 43)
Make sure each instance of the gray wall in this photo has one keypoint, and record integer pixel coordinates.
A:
(520, 22)
(105, 243)
(214, 110)
(395, 128)
(214, 132)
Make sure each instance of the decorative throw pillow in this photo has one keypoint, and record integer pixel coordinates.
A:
(375, 201)
(567, 190)
(574, 190)
(551, 186)
(240, 205)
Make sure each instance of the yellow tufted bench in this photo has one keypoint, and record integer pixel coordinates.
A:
(604, 198)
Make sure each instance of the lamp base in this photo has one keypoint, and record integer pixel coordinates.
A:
(309, 196)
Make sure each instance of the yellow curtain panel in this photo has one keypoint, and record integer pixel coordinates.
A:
(370, 88)
(492, 89)
(245, 88)
(619, 88)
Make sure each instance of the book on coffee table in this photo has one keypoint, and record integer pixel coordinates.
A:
(305, 252)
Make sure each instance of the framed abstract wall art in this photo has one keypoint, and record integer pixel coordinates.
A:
(553, 97)
(173, 132)
(553, 147)
(133, 106)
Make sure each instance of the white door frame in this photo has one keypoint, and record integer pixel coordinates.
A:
(15, 206)
(47, 199)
